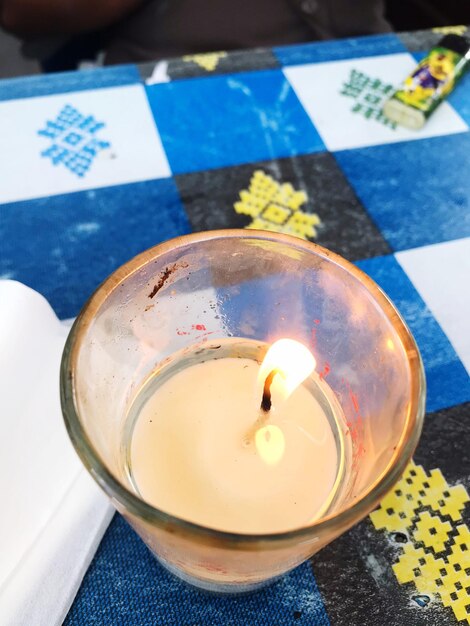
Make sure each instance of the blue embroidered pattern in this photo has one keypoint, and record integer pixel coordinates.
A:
(74, 141)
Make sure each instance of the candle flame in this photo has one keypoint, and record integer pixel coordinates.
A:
(270, 444)
(292, 360)
(286, 365)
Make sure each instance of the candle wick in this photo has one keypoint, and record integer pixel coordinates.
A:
(266, 402)
(265, 408)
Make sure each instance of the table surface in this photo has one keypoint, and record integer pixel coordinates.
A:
(97, 165)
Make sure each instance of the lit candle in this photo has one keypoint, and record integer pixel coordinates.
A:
(226, 443)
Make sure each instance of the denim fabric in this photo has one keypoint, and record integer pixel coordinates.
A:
(126, 585)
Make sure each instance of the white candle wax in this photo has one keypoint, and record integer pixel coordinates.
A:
(189, 455)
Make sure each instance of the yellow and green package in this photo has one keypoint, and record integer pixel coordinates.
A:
(429, 83)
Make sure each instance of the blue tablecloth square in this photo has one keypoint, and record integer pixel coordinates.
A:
(85, 236)
(416, 191)
(65, 82)
(232, 119)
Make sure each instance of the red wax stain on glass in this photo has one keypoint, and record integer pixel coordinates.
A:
(356, 426)
(326, 370)
(198, 327)
(354, 400)
(212, 567)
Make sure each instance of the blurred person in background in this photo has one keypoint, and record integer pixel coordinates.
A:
(144, 30)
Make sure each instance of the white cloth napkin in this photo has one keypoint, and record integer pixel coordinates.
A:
(52, 513)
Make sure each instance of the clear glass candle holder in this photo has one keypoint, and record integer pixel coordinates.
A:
(259, 287)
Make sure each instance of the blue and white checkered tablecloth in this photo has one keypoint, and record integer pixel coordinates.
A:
(96, 166)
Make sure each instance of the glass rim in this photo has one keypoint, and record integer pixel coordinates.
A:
(131, 502)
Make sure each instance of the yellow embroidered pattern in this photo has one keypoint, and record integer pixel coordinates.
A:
(436, 559)
(276, 206)
(208, 60)
(450, 30)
